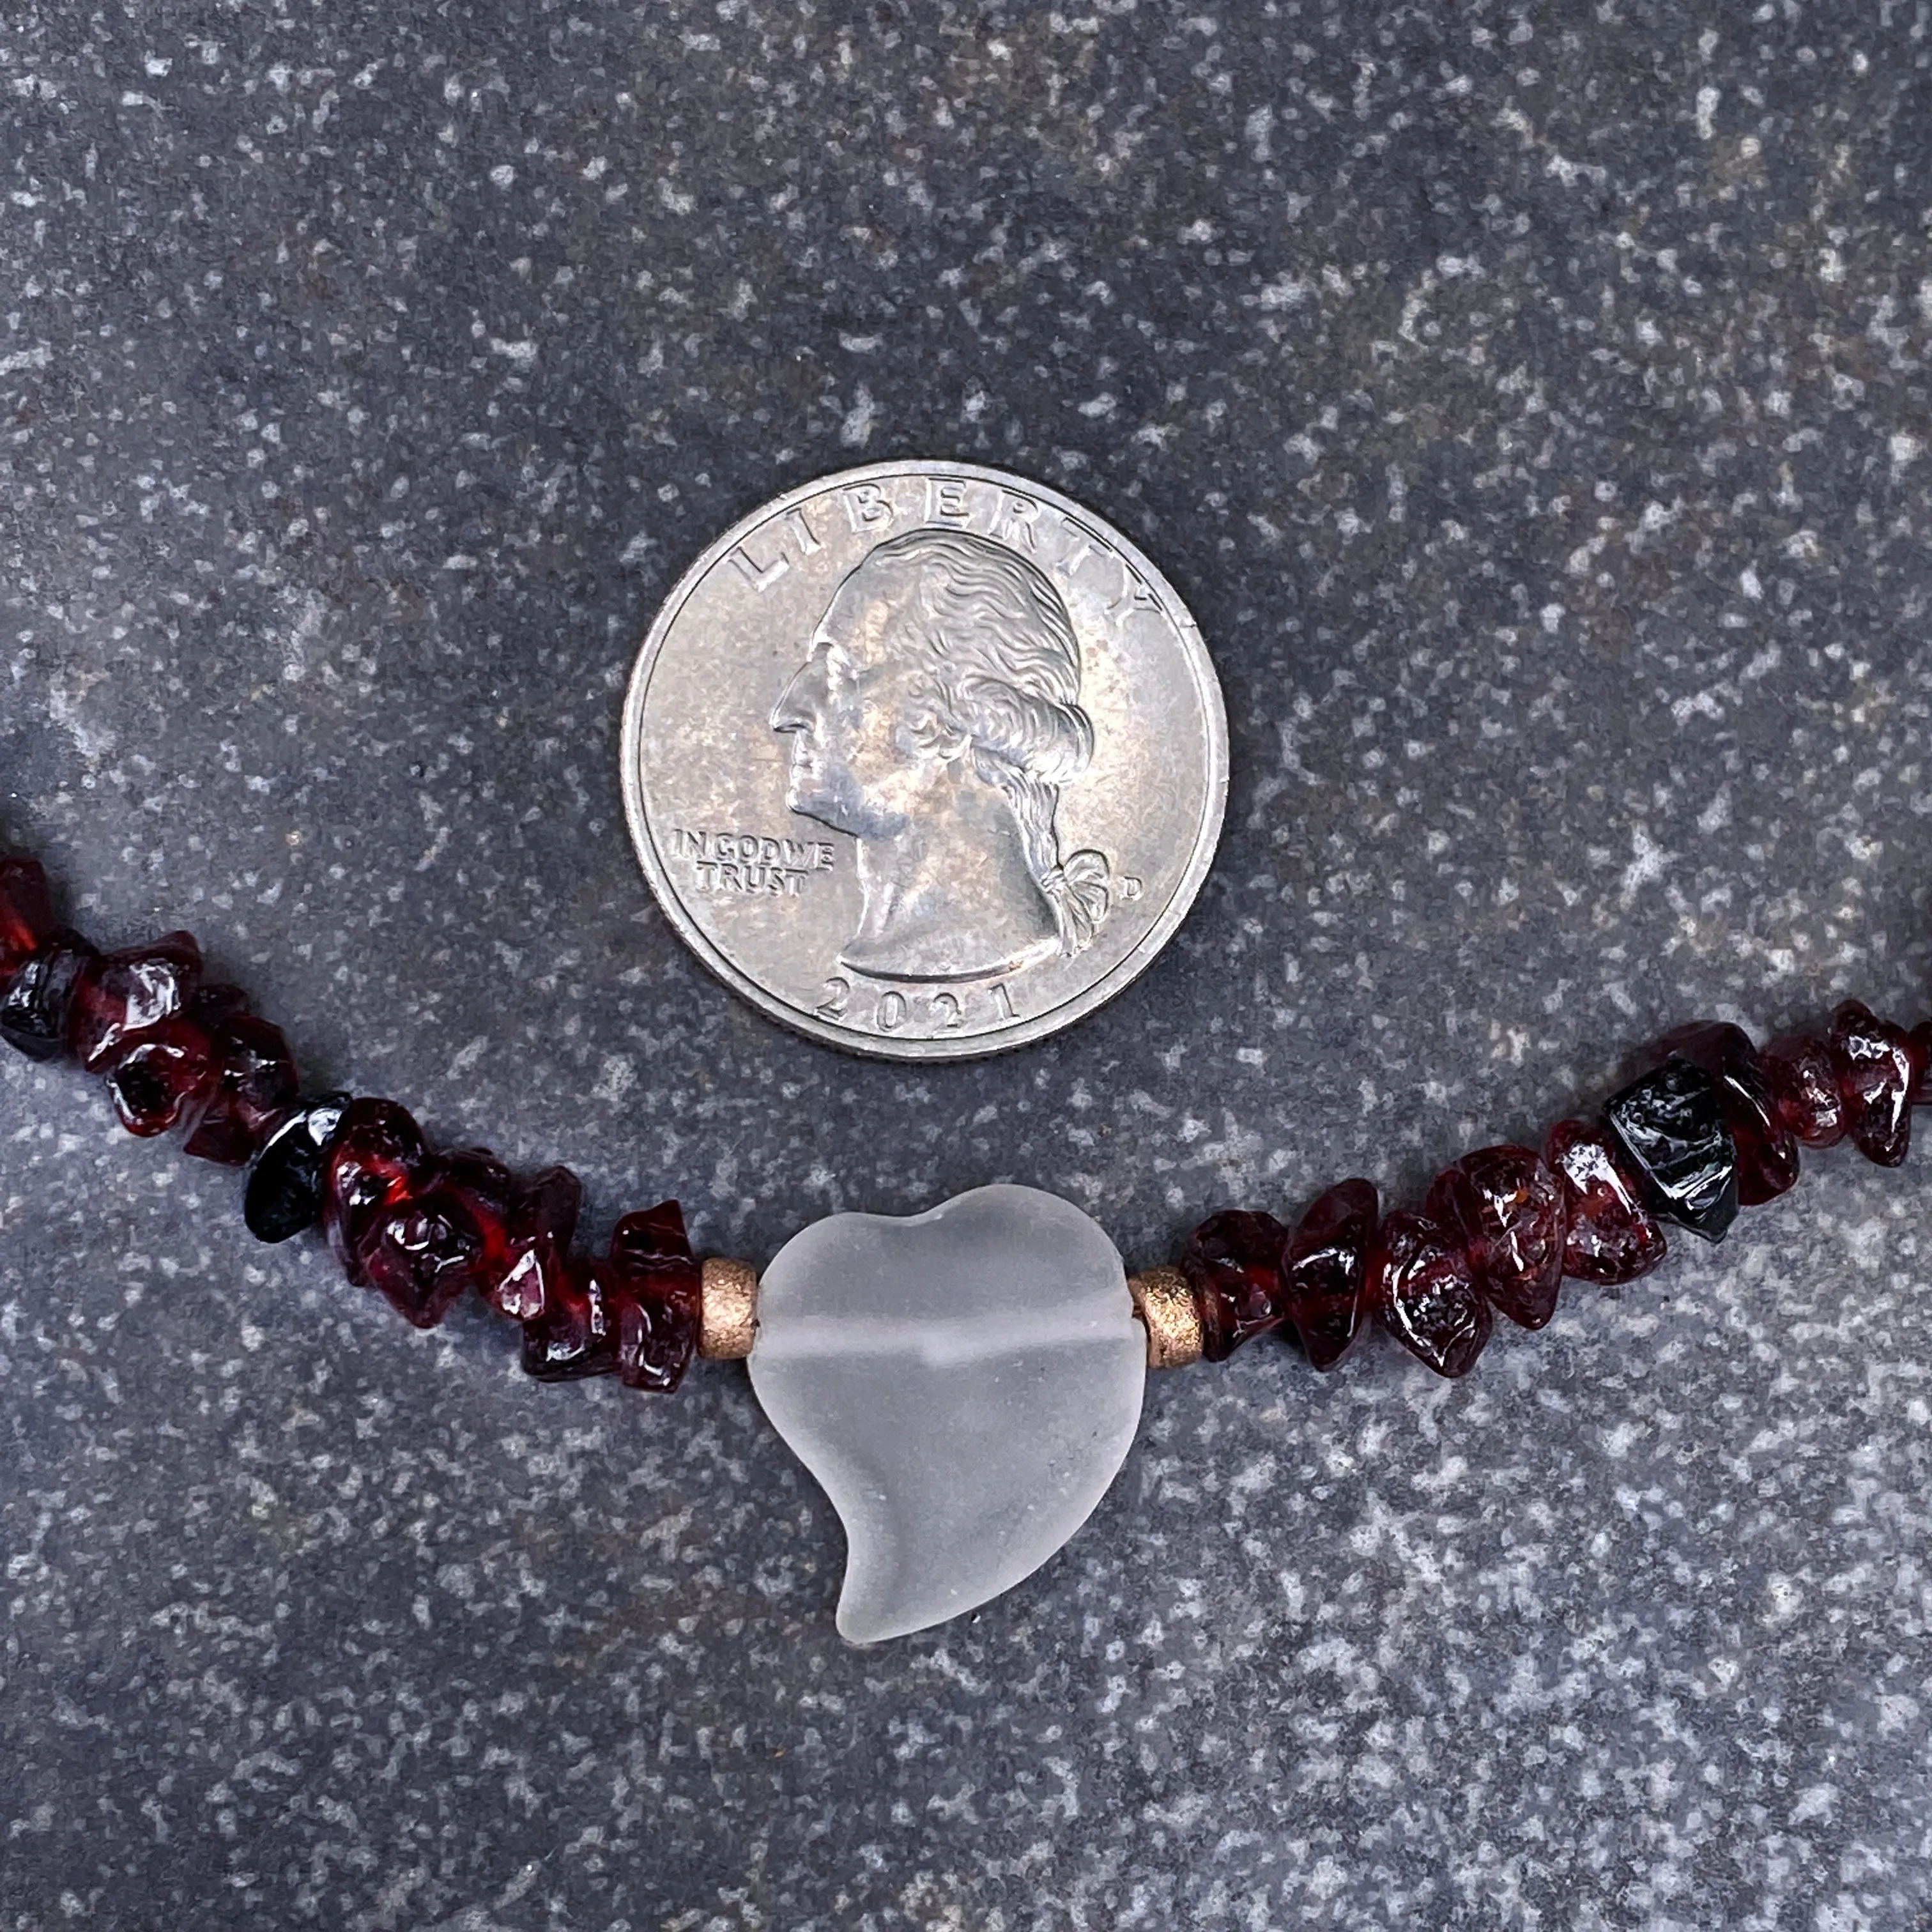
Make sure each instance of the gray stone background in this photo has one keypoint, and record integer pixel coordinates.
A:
(1531, 401)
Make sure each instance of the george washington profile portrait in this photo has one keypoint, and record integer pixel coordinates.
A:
(935, 719)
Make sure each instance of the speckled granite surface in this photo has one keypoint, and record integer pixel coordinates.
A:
(1532, 401)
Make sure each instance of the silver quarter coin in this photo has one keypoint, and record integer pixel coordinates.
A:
(925, 761)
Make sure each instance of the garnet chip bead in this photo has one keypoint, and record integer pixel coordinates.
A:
(122, 995)
(165, 1072)
(576, 1333)
(636, 1315)
(1878, 1066)
(254, 1086)
(1921, 1046)
(1508, 1207)
(1426, 1293)
(1804, 1083)
(1232, 1262)
(657, 1289)
(376, 1153)
(445, 1232)
(1609, 1236)
(26, 913)
(1324, 1272)
(39, 999)
(541, 1224)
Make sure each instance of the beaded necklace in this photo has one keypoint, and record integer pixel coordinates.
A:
(1712, 1124)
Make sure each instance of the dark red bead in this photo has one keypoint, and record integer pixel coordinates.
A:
(1508, 1207)
(215, 1001)
(1767, 1147)
(125, 995)
(1608, 1236)
(1426, 1293)
(576, 1333)
(1232, 1262)
(1324, 1272)
(167, 1072)
(445, 1234)
(1921, 1048)
(478, 1171)
(656, 1290)
(1804, 1083)
(1877, 1068)
(376, 1151)
(26, 914)
(422, 1254)
(255, 1085)
(38, 1001)
(541, 1222)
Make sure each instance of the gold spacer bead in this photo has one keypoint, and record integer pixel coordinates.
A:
(728, 1306)
(1165, 1304)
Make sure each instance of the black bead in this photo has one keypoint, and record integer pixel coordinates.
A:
(34, 1015)
(283, 1195)
(1671, 1124)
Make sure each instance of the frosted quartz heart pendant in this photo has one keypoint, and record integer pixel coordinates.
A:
(964, 1383)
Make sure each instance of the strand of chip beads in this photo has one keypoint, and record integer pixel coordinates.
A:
(423, 1227)
(1710, 1125)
